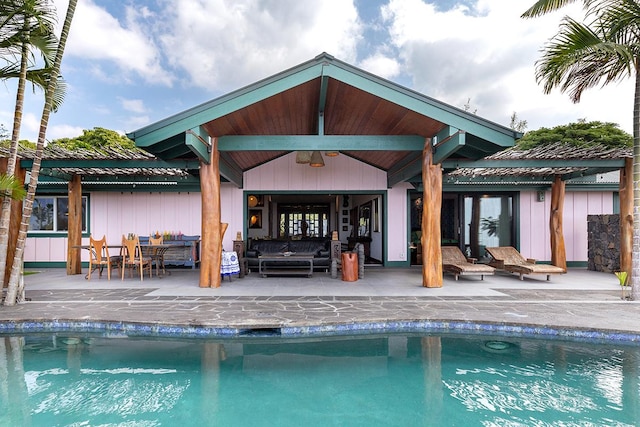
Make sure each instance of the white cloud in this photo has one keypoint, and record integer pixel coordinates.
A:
(133, 105)
(487, 54)
(225, 45)
(381, 65)
(63, 131)
(120, 49)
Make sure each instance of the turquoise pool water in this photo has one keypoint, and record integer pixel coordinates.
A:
(380, 380)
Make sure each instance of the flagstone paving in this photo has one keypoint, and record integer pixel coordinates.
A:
(587, 302)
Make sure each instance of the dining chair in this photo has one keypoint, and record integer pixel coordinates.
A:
(99, 257)
(157, 254)
(133, 258)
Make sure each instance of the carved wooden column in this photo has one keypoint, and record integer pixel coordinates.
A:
(558, 251)
(211, 249)
(626, 216)
(431, 210)
(74, 223)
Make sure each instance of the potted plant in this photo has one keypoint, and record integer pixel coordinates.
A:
(622, 277)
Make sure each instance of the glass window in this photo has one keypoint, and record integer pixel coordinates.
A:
(303, 221)
(51, 213)
(488, 222)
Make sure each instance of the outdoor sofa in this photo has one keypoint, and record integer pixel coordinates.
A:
(319, 248)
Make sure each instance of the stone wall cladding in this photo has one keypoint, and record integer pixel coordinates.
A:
(603, 242)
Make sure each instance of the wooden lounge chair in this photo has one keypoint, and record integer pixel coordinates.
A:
(454, 262)
(509, 259)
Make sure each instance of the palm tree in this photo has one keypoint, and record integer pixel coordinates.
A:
(605, 50)
(27, 24)
(15, 288)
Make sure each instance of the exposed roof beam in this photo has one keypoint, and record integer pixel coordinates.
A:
(197, 139)
(405, 169)
(230, 170)
(324, 85)
(321, 142)
(449, 140)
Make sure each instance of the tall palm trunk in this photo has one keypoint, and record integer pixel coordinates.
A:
(635, 255)
(5, 214)
(15, 285)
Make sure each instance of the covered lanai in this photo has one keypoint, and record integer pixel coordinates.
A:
(329, 106)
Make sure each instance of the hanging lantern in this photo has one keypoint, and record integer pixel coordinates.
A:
(303, 157)
(316, 160)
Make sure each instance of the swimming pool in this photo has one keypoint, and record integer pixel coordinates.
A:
(372, 380)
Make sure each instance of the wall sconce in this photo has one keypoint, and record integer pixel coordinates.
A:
(316, 160)
(252, 201)
(540, 196)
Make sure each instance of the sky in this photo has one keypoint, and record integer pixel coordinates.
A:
(130, 63)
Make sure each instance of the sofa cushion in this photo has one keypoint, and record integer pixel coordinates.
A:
(307, 246)
(263, 247)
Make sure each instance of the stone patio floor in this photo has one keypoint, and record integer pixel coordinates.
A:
(581, 301)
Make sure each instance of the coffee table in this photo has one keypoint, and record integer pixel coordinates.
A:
(276, 264)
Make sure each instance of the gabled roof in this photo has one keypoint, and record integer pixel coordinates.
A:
(324, 104)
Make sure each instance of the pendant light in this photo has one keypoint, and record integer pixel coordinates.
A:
(303, 157)
(316, 160)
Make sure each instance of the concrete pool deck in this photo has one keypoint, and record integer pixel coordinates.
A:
(584, 301)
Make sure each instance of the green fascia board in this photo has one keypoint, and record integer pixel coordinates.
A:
(449, 147)
(324, 66)
(226, 104)
(198, 143)
(405, 169)
(502, 136)
(610, 164)
(321, 142)
(230, 170)
(165, 148)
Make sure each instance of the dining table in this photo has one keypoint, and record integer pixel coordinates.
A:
(101, 267)
(156, 253)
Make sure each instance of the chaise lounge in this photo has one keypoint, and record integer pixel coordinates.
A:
(454, 262)
(509, 259)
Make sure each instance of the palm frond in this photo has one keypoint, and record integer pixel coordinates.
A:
(542, 7)
(580, 57)
(10, 183)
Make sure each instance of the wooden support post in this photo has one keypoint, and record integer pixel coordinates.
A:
(14, 222)
(558, 251)
(211, 248)
(74, 223)
(626, 217)
(431, 211)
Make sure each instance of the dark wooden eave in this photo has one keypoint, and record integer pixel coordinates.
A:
(322, 100)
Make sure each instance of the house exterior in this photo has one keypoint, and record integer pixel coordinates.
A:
(371, 135)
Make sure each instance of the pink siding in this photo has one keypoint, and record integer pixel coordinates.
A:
(534, 222)
(397, 222)
(117, 213)
(339, 173)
